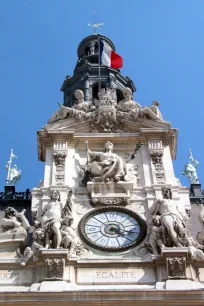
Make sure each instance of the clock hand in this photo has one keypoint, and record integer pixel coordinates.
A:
(119, 231)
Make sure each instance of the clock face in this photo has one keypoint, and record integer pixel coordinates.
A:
(112, 228)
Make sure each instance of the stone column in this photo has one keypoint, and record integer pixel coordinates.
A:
(112, 79)
(86, 88)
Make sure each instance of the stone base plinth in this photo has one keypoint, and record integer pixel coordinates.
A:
(110, 193)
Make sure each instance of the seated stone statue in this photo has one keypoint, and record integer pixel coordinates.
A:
(62, 113)
(128, 105)
(80, 104)
(108, 166)
(78, 110)
(152, 111)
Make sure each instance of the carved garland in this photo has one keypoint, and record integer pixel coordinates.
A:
(156, 156)
(59, 159)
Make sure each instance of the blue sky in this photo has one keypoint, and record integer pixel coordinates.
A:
(162, 43)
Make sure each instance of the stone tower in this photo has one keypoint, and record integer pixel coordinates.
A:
(110, 219)
(85, 76)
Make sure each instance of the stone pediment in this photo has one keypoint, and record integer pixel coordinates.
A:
(142, 129)
(91, 126)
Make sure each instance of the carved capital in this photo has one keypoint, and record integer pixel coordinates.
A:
(59, 158)
(176, 267)
(54, 268)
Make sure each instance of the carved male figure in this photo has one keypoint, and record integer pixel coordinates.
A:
(171, 218)
(152, 111)
(51, 217)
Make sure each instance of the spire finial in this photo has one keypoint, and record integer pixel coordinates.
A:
(14, 174)
(95, 25)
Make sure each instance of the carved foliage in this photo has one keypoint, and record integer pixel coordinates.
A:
(176, 267)
(156, 156)
(54, 268)
(59, 159)
(111, 201)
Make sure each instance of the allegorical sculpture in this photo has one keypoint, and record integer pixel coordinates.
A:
(127, 105)
(14, 174)
(190, 169)
(106, 114)
(80, 109)
(15, 225)
(106, 166)
(55, 227)
(173, 222)
(51, 221)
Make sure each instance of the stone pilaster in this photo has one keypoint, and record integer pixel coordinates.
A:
(59, 156)
(156, 153)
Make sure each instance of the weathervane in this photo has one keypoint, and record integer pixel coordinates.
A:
(14, 174)
(190, 169)
(95, 25)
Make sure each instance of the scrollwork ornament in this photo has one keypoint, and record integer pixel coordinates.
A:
(54, 268)
(176, 267)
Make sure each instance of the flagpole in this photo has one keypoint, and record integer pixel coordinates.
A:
(99, 65)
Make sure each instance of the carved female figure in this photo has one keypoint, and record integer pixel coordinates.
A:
(108, 166)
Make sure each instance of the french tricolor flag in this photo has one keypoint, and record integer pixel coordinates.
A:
(108, 57)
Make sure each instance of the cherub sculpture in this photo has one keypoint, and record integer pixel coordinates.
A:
(155, 238)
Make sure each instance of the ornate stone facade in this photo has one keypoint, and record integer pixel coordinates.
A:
(109, 212)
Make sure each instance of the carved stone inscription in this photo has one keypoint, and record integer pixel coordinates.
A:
(16, 277)
(115, 276)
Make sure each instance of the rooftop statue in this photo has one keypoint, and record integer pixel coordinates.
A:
(190, 169)
(14, 174)
(107, 166)
(105, 113)
(152, 111)
(79, 109)
(80, 104)
(127, 104)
